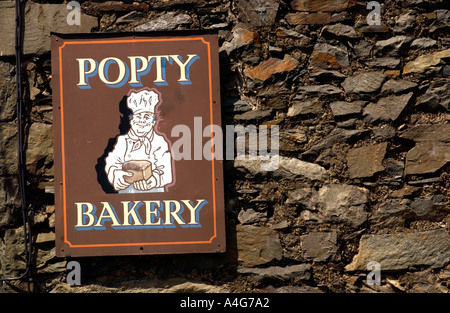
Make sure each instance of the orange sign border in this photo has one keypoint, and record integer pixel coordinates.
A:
(63, 152)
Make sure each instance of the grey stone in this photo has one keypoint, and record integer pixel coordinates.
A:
(251, 216)
(257, 245)
(394, 168)
(387, 109)
(329, 56)
(167, 21)
(336, 136)
(404, 22)
(291, 139)
(12, 252)
(297, 272)
(427, 157)
(387, 132)
(313, 106)
(387, 62)
(442, 21)
(301, 168)
(423, 43)
(131, 17)
(39, 21)
(319, 246)
(8, 146)
(427, 63)
(342, 108)
(335, 203)
(437, 96)
(366, 161)
(431, 208)
(284, 167)
(241, 38)
(7, 92)
(257, 13)
(402, 251)
(234, 105)
(301, 196)
(319, 90)
(340, 30)
(428, 132)
(325, 75)
(397, 86)
(367, 82)
(39, 152)
(394, 46)
(9, 193)
(392, 213)
(253, 115)
(363, 48)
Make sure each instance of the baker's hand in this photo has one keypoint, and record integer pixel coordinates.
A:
(143, 185)
(119, 182)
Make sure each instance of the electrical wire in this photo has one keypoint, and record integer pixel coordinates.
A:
(20, 151)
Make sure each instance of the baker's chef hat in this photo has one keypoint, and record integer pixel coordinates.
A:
(142, 101)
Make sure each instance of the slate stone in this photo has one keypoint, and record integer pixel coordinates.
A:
(321, 5)
(393, 86)
(437, 96)
(326, 76)
(253, 115)
(304, 18)
(340, 30)
(392, 213)
(393, 46)
(319, 90)
(39, 21)
(338, 135)
(327, 56)
(337, 203)
(313, 106)
(387, 62)
(7, 91)
(427, 157)
(404, 22)
(423, 43)
(257, 13)
(428, 63)
(251, 216)
(428, 132)
(267, 68)
(319, 246)
(241, 38)
(167, 21)
(363, 48)
(257, 245)
(301, 168)
(367, 82)
(342, 108)
(366, 161)
(285, 167)
(402, 251)
(388, 108)
(297, 272)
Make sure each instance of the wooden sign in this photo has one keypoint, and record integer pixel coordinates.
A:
(125, 182)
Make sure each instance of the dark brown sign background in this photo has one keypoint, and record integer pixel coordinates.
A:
(87, 123)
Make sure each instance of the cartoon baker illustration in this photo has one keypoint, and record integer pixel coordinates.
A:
(140, 160)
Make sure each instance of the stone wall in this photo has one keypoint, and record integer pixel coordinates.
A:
(364, 125)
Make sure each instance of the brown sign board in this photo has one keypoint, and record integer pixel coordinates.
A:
(121, 103)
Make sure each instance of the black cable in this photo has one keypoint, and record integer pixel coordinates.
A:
(20, 146)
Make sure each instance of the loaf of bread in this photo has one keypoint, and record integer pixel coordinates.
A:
(140, 169)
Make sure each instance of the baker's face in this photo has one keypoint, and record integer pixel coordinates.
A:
(142, 123)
